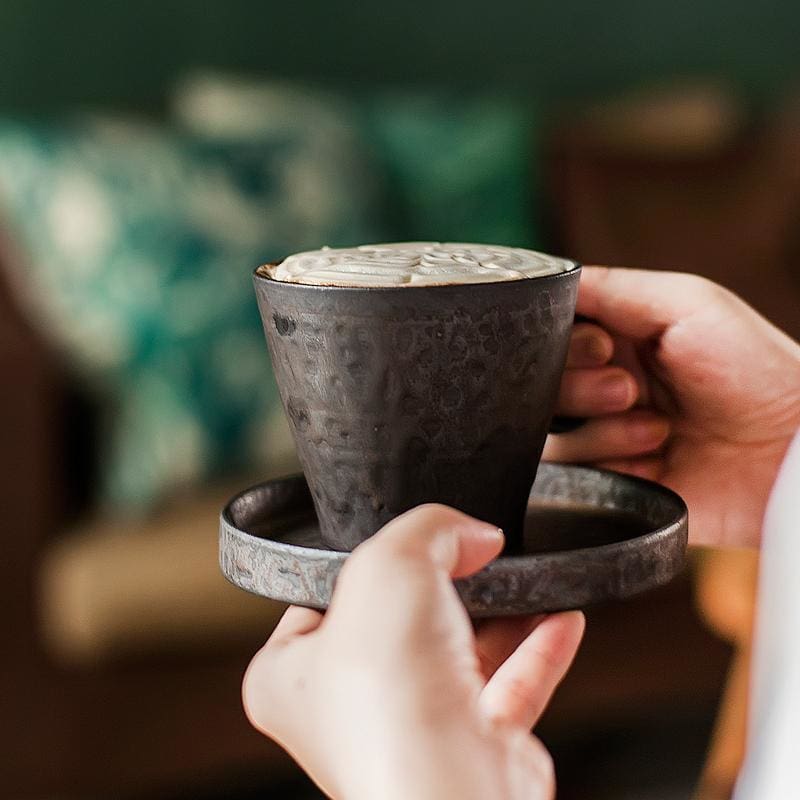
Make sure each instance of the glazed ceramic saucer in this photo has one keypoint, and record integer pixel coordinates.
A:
(590, 536)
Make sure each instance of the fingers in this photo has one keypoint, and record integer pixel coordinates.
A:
(497, 639)
(263, 688)
(651, 469)
(296, 621)
(617, 436)
(519, 691)
(437, 536)
(399, 580)
(589, 392)
(260, 680)
(640, 303)
(589, 346)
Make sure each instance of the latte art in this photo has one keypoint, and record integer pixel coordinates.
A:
(415, 264)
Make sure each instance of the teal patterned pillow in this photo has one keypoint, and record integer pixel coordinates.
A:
(459, 168)
(455, 167)
(138, 242)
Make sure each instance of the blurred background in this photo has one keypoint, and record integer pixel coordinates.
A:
(152, 153)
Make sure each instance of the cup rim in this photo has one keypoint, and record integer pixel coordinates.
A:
(259, 275)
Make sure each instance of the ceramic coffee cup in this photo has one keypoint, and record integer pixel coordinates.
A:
(402, 395)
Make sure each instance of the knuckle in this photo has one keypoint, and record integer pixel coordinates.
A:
(521, 690)
(369, 565)
(430, 515)
(702, 288)
(398, 537)
(375, 561)
(399, 549)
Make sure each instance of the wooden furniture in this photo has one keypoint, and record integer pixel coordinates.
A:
(685, 181)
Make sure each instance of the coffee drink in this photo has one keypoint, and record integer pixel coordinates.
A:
(416, 264)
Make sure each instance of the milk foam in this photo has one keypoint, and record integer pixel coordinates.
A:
(416, 264)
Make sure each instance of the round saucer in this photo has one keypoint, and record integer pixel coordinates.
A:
(590, 536)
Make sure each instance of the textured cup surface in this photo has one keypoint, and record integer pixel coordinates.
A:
(398, 396)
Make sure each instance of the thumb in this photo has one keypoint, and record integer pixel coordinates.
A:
(439, 537)
(640, 303)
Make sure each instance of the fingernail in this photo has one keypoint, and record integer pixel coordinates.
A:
(651, 431)
(618, 391)
(495, 533)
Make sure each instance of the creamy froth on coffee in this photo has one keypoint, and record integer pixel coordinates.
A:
(416, 264)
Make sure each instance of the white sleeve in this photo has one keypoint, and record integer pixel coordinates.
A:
(772, 765)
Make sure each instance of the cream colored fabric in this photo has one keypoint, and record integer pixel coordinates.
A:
(113, 589)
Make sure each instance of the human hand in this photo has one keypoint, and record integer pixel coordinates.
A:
(392, 694)
(687, 385)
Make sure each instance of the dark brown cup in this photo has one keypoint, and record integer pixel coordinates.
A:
(398, 396)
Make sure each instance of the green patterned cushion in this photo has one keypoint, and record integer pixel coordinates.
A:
(459, 168)
(455, 167)
(137, 244)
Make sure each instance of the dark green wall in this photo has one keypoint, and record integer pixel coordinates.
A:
(56, 52)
